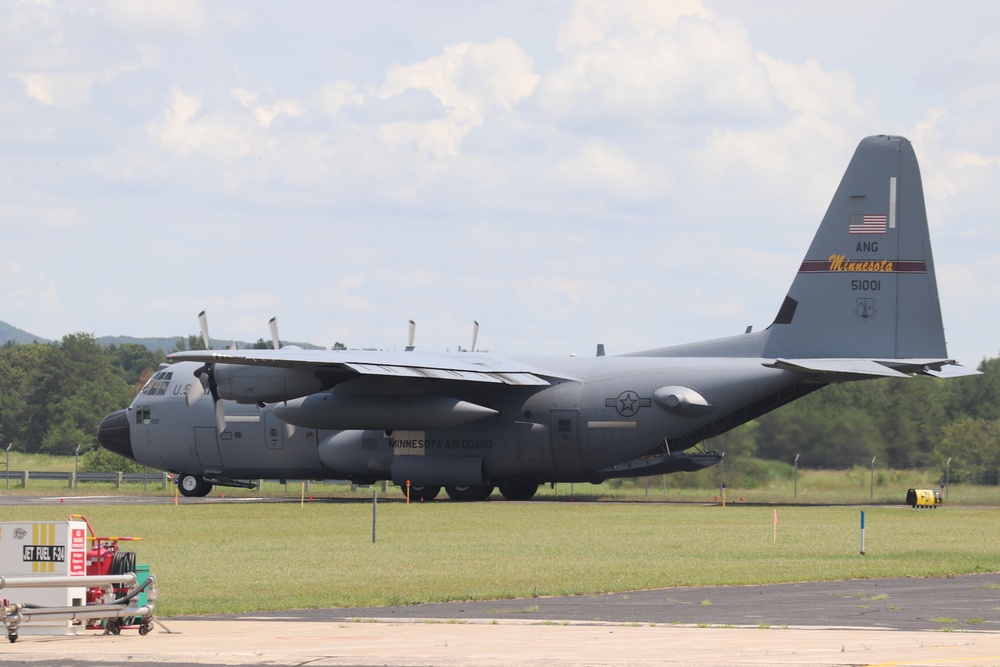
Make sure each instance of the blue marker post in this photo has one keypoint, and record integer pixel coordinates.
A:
(862, 532)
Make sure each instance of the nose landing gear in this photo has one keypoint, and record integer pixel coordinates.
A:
(193, 486)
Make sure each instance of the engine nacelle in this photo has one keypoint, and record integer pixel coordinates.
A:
(263, 384)
(334, 410)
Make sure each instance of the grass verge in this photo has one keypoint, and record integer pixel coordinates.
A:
(228, 558)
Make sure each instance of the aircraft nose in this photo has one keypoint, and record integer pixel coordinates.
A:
(113, 434)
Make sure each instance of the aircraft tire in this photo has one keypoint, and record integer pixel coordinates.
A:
(193, 486)
(418, 493)
(518, 491)
(468, 493)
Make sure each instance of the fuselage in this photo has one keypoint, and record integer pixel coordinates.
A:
(615, 412)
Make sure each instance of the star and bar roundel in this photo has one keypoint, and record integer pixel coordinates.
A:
(627, 403)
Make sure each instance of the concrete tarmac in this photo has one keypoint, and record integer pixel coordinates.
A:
(513, 643)
(937, 622)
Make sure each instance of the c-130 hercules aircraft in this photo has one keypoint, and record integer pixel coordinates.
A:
(864, 304)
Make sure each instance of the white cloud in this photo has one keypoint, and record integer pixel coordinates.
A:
(223, 135)
(591, 21)
(468, 80)
(265, 114)
(652, 64)
(150, 17)
(62, 89)
(333, 97)
(601, 169)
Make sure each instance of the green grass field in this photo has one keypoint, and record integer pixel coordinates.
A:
(855, 486)
(264, 556)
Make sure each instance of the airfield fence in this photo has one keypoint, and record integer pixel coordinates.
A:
(23, 478)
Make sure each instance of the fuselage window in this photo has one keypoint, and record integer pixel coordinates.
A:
(142, 415)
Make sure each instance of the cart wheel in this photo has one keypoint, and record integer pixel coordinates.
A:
(144, 629)
(113, 627)
(12, 637)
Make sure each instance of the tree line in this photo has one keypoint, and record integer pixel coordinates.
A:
(53, 396)
(921, 422)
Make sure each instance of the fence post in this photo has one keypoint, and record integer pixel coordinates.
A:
(165, 481)
(72, 480)
(118, 479)
(24, 479)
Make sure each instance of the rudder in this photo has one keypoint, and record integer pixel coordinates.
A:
(866, 288)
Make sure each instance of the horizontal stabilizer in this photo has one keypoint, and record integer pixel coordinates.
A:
(952, 371)
(852, 369)
(849, 367)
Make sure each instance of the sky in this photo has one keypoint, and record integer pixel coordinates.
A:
(636, 173)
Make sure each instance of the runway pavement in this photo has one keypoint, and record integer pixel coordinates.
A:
(920, 622)
(953, 621)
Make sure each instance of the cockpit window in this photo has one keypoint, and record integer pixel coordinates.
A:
(157, 385)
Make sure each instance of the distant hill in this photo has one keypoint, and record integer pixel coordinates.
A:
(162, 344)
(11, 333)
(166, 344)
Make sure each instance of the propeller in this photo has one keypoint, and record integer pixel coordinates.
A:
(276, 344)
(273, 325)
(203, 374)
(206, 380)
(475, 335)
(411, 336)
(203, 325)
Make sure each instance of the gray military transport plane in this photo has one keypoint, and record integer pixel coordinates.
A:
(863, 304)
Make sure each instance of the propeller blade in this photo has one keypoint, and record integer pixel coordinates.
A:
(273, 325)
(193, 394)
(289, 430)
(220, 416)
(203, 325)
(475, 335)
(198, 389)
(412, 336)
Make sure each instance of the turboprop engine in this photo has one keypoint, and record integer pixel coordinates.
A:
(333, 410)
(253, 384)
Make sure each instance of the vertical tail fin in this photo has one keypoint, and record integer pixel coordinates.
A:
(866, 288)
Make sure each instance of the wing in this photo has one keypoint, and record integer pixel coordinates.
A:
(340, 389)
(467, 367)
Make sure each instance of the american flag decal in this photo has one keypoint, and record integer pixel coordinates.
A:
(866, 224)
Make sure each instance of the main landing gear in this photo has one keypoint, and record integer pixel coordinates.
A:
(513, 491)
(518, 491)
(468, 493)
(421, 493)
